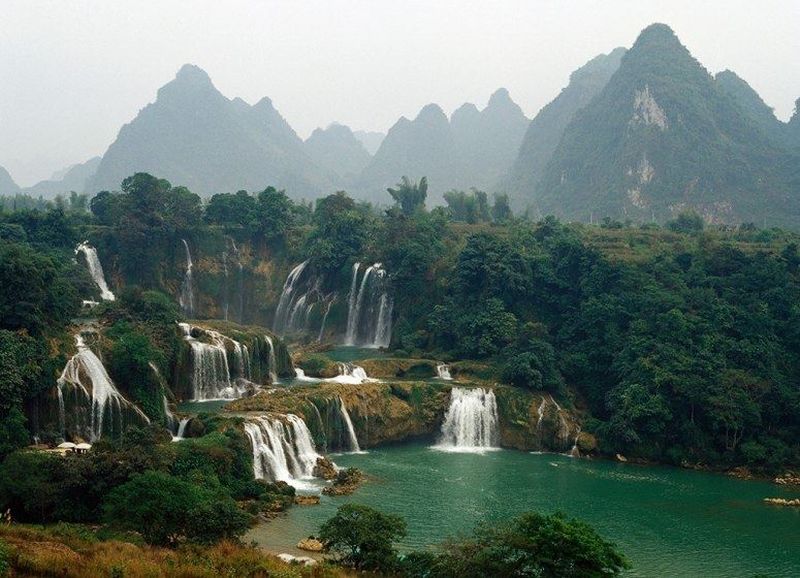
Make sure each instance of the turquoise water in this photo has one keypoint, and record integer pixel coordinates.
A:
(345, 353)
(669, 522)
(195, 407)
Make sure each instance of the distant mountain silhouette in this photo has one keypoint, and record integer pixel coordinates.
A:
(663, 137)
(7, 184)
(370, 139)
(336, 149)
(546, 129)
(194, 136)
(471, 149)
(72, 178)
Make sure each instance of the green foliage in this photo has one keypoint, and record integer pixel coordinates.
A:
(410, 196)
(129, 364)
(26, 486)
(362, 537)
(687, 222)
(531, 545)
(472, 207)
(5, 563)
(166, 510)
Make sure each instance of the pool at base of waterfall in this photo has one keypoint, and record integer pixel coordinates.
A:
(668, 521)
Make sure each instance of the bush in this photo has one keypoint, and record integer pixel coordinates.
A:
(530, 545)
(166, 510)
(363, 538)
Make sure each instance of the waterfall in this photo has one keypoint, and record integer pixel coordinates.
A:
(443, 372)
(540, 413)
(575, 452)
(226, 289)
(211, 373)
(95, 269)
(106, 402)
(351, 374)
(273, 362)
(330, 299)
(300, 375)
(181, 429)
(351, 432)
(351, 304)
(284, 303)
(283, 449)
(471, 422)
(171, 422)
(369, 313)
(186, 299)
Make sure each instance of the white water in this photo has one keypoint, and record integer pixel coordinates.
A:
(471, 422)
(330, 300)
(351, 432)
(273, 363)
(285, 303)
(98, 392)
(181, 430)
(211, 373)
(443, 372)
(186, 299)
(95, 269)
(283, 449)
(369, 312)
(300, 375)
(351, 374)
(171, 421)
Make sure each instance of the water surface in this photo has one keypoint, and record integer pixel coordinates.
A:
(669, 522)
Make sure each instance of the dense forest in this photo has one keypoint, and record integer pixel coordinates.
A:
(678, 344)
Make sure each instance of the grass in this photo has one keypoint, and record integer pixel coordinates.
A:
(68, 551)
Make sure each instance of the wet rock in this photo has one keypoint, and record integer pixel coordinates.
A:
(788, 479)
(587, 443)
(310, 544)
(306, 500)
(325, 469)
(346, 482)
(783, 502)
(621, 458)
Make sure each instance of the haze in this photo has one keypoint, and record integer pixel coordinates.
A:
(74, 72)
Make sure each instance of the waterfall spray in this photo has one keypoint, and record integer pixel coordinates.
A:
(186, 299)
(95, 269)
(471, 423)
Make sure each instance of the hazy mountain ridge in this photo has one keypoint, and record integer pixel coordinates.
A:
(662, 137)
(192, 135)
(7, 184)
(73, 178)
(547, 127)
(370, 139)
(336, 149)
(473, 148)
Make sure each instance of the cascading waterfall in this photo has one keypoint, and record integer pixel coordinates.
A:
(351, 432)
(283, 449)
(233, 250)
(330, 299)
(369, 314)
(95, 269)
(286, 300)
(273, 363)
(471, 423)
(186, 299)
(172, 423)
(351, 374)
(181, 429)
(443, 372)
(211, 373)
(108, 406)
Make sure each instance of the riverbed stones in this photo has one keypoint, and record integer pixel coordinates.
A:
(310, 544)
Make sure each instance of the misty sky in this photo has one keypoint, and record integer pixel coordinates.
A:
(73, 71)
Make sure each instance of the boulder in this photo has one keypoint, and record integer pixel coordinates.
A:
(325, 469)
(310, 544)
(306, 500)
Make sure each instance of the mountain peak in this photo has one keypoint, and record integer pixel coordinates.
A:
(190, 79)
(192, 73)
(431, 112)
(657, 33)
(500, 97)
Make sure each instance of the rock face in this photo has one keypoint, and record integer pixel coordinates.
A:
(337, 150)
(194, 136)
(546, 129)
(7, 184)
(402, 411)
(473, 148)
(662, 137)
(311, 545)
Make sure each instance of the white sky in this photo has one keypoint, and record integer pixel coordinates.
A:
(73, 71)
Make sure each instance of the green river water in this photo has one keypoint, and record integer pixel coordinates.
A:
(668, 521)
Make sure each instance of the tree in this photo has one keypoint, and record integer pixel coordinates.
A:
(273, 213)
(362, 537)
(410, 195)
(501, 211)
(166, 510)
(532, 545)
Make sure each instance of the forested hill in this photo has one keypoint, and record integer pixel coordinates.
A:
(663, 136)
(677, 344)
